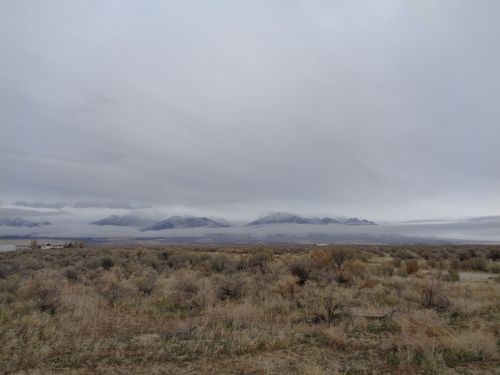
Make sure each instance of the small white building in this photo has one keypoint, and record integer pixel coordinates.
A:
(50, 247)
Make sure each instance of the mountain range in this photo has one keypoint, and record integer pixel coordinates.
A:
(121, 221)
(19, 222)
(275, 228)
(183, 222)
(287, 218)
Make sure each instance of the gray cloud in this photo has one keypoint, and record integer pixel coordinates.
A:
(112, 205)
(39, 204)
(8, 212)
(384, 109)
(81, 204)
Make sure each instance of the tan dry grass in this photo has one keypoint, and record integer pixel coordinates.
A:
(240, 310)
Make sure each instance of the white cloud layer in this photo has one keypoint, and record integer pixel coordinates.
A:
(384, 110)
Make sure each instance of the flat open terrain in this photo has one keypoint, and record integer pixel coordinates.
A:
(251, 310)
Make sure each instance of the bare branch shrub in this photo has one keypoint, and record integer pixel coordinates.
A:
(145, 280)
(433, 295)
(288, 287)
(230, 287)
(340, 257)
(336, 301)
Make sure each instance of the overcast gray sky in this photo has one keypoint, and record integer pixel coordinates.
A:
(379, 109)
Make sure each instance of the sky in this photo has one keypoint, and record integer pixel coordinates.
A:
(387, 110)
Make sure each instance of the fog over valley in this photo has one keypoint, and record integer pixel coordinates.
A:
(103, 223)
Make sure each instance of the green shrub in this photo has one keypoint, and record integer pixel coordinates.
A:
(71, 274)
(455, 264)
(495, 268)
(151, 260)
(258, 260)
(475, 264)
(222, 263)
(301, 269)
(494, 254)
(396, 262)
(106, 263)
(450, 275)
(382, 325)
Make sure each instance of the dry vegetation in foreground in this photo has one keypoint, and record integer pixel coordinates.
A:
(251, 310)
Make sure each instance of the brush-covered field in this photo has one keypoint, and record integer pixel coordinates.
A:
(251, 310)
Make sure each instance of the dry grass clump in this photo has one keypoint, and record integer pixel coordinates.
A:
(385, 269)
(44, 289)
(145, 280)
(337, 337)
(411, 266)
(251, 309)
(235, 316)
(230, 287)
(357, 269)
(113, 289)
(471, 345)
(288, 288)
(416, 343)
(258, 260)
(186, 290)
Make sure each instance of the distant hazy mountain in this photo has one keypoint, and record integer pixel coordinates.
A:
(19, 222)
(120, 221)
(356, 221)
(280, 218)
(182, 222)
(287, 218)
(329, 220)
